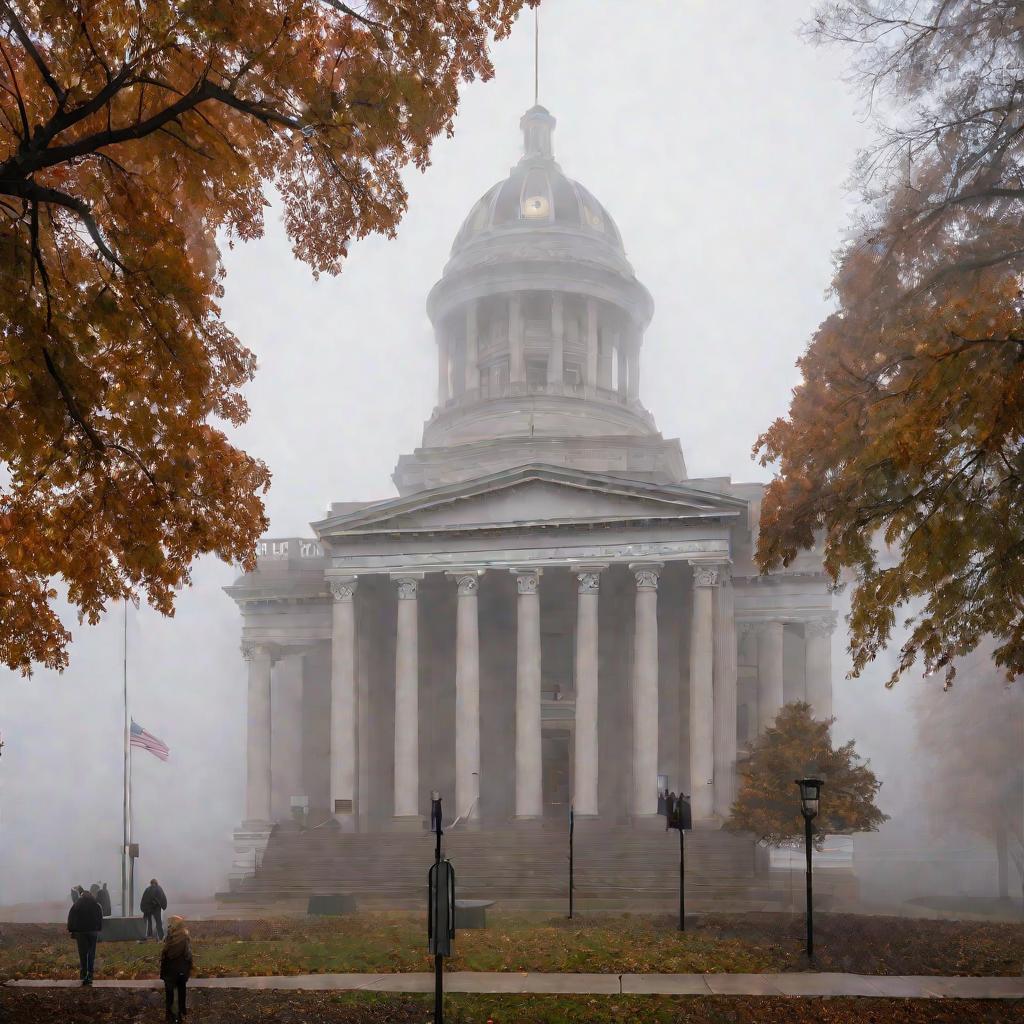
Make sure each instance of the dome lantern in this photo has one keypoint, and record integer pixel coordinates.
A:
(538, 127)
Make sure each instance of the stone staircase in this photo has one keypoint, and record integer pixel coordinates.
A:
(520, 867)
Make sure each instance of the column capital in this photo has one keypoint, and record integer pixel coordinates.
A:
(407, 583)
(822, 626)
(646, 574)
(527, 580)
(708, 574)
(468, 580)
(253, 649)
(343, 588)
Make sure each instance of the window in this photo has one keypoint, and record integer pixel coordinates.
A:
(536, 372)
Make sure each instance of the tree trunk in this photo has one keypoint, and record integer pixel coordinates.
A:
(1002, 862)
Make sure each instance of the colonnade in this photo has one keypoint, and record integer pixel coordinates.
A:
(601, 345)
(712, 740)
(817, 632)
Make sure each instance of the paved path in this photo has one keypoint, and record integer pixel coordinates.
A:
(795, 984)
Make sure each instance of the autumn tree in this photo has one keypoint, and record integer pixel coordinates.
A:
(768, 802)
(902, 448)
(971, 738)
(132, 135)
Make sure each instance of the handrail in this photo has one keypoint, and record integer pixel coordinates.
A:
(464, 817)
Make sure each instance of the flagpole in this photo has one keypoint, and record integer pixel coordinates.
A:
(126, 797)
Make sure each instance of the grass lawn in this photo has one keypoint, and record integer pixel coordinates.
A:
(91, 1006)
(392, 941)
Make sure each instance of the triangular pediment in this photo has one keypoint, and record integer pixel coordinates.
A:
(533, 496)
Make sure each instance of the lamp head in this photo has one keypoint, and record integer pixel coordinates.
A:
(810, 796)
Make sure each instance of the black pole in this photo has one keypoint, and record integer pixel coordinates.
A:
(682, 877)
(808, 827)
(438, 989)
(435, 814)
(572, 824)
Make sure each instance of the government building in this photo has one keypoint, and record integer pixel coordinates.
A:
(550, 612)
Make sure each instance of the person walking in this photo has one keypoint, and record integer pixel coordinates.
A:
(152, 903)
(85, 922)
(176, 966)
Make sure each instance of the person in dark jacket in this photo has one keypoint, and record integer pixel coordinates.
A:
(85, 922)
(152, 903)
(176, 965)
(104, 900)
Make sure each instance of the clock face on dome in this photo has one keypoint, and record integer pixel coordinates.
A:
(536, 207)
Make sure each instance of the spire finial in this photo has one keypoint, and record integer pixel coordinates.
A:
(536, 56)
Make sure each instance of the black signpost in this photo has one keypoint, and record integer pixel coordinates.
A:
(440, 909)
(680, 817)
(572, 824)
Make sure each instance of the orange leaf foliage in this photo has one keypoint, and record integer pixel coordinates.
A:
(768, 801)
(130, 134)
(904, 443)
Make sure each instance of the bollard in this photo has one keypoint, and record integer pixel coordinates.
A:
(440, 909)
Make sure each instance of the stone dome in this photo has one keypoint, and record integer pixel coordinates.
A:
(536, 194)
(539, 320)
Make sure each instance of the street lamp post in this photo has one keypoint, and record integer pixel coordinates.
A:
(810, 797)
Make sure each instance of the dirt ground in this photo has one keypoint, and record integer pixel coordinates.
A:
(106, 1006)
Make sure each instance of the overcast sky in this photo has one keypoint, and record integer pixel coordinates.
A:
(718, 140)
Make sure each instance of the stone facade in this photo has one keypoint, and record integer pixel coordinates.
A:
(549, 612)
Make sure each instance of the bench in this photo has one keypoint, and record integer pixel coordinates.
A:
(331, 904)
(472, 913)
(123, 929)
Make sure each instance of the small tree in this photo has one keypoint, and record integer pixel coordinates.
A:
(768, 804)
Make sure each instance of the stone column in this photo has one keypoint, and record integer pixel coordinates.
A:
(343, 703)
(591, 379)
(645, 692)
(604, 362)
(769, 673)
(585, 767)
(257, 739)
(516, 341)
(556, 359)
(818, 663)
(633, 368)
(407, 718)
(702, 701)
(467, 698)
(472, 348)
(443, 358)
(529, 793)
(725, 658)
(620, 353)
(286, 733)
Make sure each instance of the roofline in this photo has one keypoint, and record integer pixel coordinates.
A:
(534, 471)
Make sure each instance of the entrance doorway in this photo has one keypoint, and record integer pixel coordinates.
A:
(556, 777)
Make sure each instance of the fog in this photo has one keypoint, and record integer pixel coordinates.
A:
(721, 146)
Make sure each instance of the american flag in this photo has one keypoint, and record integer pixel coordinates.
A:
(147, 741)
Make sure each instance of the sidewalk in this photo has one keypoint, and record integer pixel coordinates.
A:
(794, 984)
